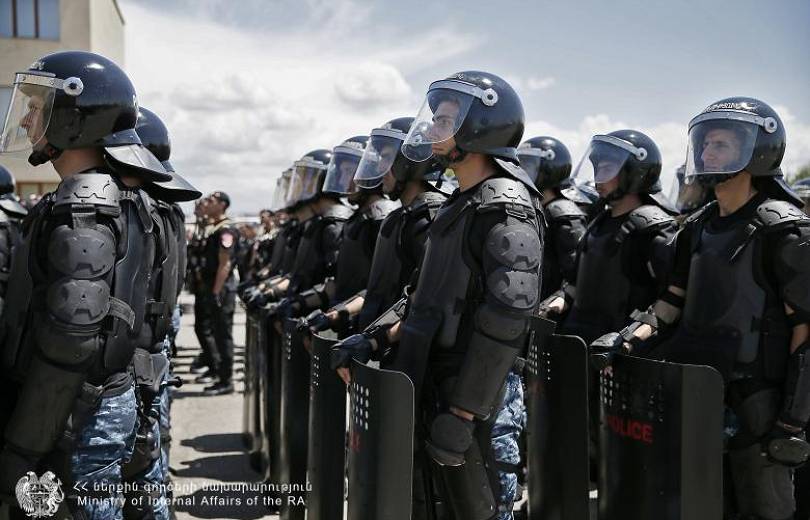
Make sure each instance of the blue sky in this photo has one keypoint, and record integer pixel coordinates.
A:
(248, 87)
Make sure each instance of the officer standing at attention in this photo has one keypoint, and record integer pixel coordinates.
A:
(77, 296)
(218, 294)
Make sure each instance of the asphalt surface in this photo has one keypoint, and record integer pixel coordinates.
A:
(212, 477)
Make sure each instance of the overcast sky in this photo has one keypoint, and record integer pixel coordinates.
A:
(247, 87)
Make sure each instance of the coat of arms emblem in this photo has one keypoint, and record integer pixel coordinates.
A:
(39, 497)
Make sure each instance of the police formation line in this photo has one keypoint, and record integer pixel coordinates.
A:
(503, 325)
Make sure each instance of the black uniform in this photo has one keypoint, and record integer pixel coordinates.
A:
(11, 214)
(622, 265)
(215, 319)
(477, 287)
(398, 253)
(739, 271)
(318, 250)
(567, 224)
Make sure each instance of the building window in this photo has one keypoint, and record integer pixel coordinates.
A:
(29, 19)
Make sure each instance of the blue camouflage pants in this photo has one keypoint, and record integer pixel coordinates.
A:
(509, 423)
(102, 445)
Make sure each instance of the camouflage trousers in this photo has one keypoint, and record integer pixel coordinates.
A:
(105, 442)
(509, 424)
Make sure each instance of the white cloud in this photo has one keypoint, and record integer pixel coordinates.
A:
(534, 83)
(243, 102)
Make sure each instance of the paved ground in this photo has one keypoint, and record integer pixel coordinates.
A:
(207, 448)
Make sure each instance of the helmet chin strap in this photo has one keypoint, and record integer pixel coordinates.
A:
(48, 153)
(614, 195)
(712, 180)
(455, 155)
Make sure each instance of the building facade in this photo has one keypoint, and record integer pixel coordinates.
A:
(32, 28)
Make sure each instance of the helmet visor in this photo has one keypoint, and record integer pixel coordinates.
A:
(304, 181)
(532, 158)
(604, 159)
(341, 170)
(687, 197)
(29, 112)
(380, 154)
(720, 143)
(280, 194)
(445, 107)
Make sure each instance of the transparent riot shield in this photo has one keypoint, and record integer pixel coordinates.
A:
(661, 441)
(327, 433)
(381, 433)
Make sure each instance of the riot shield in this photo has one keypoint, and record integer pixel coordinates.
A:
(251, 413)
(661, 442)
(270, 398)
(293, 423)
(557, 445)
(381, 432)
(327, 433)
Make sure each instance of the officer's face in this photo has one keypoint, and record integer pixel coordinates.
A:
(347, 169)
(389, 182)
(720, 149)
(606, 188)
(443, 127)
(32, 120)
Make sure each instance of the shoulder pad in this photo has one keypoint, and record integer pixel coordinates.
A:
(4, 218)
(649, 216)
(504, 191)
(429, 202)
(563, 208)
(380, 209)
(338, 212)
(774, 212)
(98, 189)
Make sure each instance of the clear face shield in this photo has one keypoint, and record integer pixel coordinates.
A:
(442, 114)
(29, 110)
(532, 158)
(280, 193)
(341, 170)
(604, 160)
(378, 158)
(304, 181)
(722, 143)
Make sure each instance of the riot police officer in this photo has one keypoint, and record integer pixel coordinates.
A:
(421, 189)
(738, 300)
(77, 293)
(147, 471)
(194, 255)
(623, 258)
(477, 288)
(359, 237)
(548, 163)
(11, 214)
(218, 295)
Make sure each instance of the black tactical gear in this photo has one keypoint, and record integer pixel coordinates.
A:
(91, 247)
(567, 224)
(622, 266)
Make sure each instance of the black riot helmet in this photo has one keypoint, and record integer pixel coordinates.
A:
(628, 154)
(546, 160)
(383, 156)
(7, 182)
(155, 137)
(734, 135)
(308, 175)
(479, 109)
(345, 159)
(77, 99)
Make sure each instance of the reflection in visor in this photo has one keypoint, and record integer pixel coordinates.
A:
(719, 147)
(438, 120)
(340, 173)
(530, 164)
(603, 160)
(27, 118)
(378, 158)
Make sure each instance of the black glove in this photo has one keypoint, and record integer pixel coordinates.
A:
(605, 348)
(450, 437)
(356, 346)
(256, 300)
(316, 321)
(785, 447)
(219, 298)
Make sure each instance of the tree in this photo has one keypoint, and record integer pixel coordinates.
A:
(803, 173)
